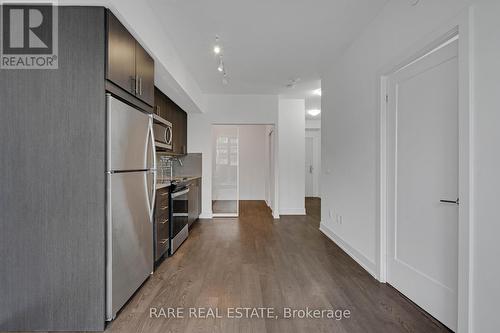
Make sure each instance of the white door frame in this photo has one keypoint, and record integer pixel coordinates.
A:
(275, 152)
(461, 26)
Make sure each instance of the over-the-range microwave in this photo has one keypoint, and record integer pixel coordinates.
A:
(162, 130)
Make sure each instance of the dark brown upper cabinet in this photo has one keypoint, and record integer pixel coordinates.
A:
(168, 110)
(129, 66)
(145, 72)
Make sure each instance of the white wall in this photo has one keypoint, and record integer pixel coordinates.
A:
(291, 137)
(242, 109)
(486, 179)
(350, 90)
(350, 105)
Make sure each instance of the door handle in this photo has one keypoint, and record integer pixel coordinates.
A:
(140, 85)
(133, 84)
(456, 202)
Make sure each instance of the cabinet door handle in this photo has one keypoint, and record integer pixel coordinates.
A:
(140, 86)
(164, 221)
(163, 241)
(136, 85)
(164, 194)
(164, 207)
(133, 84)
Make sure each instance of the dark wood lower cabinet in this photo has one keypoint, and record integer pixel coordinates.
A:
(194, 198)
(162, 223)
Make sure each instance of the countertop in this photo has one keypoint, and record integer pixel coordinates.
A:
(166, 182)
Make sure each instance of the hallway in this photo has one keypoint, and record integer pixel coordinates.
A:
(255, 261)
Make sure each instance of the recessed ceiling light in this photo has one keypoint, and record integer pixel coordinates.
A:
(317, 92)
(216, 49)
(313, 112)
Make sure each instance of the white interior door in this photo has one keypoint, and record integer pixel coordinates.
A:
(309, 167)
(422, 152)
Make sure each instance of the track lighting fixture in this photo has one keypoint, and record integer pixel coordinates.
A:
(220, 67)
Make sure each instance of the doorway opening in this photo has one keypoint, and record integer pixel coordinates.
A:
(243, 167)
(312, 156)
(312, 162)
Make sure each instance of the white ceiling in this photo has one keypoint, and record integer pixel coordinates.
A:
(265, 42)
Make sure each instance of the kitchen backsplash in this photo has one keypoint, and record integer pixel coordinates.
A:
(191, 165)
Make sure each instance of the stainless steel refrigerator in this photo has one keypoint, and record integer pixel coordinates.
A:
(131, 178)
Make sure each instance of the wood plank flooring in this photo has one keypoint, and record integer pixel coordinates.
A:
(255, 261)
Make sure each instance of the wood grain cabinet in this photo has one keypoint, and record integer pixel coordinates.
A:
(145, 72)
(52, 213)
(128, 65)
(52, 238)
(168, 110)
(162, 226)
(194, 194)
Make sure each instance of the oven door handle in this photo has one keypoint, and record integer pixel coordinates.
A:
(178, 194)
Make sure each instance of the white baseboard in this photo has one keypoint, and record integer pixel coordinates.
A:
(206, 215)
(293, 211)
(361, 259)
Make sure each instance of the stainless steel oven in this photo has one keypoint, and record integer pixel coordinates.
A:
(162, 133)
(178, 217)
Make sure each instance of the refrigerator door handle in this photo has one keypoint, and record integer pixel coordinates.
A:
(152, 197)
(152, 159)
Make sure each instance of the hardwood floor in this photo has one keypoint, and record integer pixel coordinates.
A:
(224, 206)
(255, 261)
